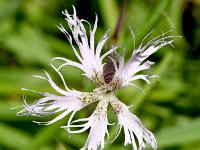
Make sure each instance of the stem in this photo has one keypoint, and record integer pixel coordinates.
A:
(109, 69)
(120, 22)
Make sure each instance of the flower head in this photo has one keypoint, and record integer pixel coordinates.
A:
(90, 62)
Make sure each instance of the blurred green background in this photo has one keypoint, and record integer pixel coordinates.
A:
(29, 39)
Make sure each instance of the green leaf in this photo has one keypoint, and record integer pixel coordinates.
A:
(12, 138)
(45, 135)
(29, 46)
(178, 135)
(7, 8)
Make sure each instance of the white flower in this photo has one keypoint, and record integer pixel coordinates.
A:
(90, 62)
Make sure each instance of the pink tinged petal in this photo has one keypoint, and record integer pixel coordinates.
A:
(145, 38)
(83, 36)
(71, 103)
(133, 127)
(32, 110)
(152, 49)
(47, 96)
(143, 77)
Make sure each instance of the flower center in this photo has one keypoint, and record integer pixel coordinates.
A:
(109, 71)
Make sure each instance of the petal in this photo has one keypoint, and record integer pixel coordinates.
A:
(97, 134)
(52, 83)
(138, 61)
(92, 34)
(97, 123)
(91, 59)
(133, 128)
(73, 101)
(98, 128)
(68, 62)
(91, 64)
(101, 43)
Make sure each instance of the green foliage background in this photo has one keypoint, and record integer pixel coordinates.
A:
(29, 39)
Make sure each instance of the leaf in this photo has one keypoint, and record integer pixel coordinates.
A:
(12, 138)
(44, 136)
(29, 46)
(178, 135)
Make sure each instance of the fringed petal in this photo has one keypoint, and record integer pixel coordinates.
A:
(138, 61)
(89, 57)
(51, 104)
(134, 130)
(97, 123)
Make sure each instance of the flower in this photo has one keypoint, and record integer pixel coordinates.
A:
(90, 62)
